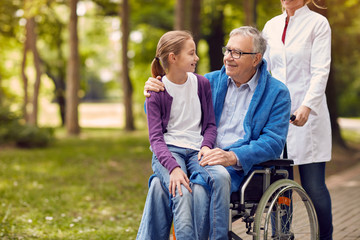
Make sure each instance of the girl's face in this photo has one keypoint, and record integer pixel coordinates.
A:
(292, 5)
(186, 60)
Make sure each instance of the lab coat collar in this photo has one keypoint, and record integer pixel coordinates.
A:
(298, 12)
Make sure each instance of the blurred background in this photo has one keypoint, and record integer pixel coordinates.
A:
(102, 53)
(71, 80)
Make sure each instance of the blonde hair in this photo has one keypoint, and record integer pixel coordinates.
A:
(170, 42)
(307, 2)
(315, 4)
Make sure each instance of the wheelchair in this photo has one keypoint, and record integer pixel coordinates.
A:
(272, 206)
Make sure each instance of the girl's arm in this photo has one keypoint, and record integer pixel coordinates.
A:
(159, 147)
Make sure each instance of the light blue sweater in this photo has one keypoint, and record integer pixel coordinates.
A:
(266, 122)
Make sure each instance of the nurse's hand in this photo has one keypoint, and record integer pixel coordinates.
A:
(178, 178)
(153, 84)
(302, 115)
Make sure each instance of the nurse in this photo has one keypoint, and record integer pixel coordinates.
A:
(298, 54)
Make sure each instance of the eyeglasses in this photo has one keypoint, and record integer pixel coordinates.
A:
(234, 53)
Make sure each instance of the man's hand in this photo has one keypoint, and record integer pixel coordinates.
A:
(178, 177)
(218, 156)
(153, 84)
(302, 115)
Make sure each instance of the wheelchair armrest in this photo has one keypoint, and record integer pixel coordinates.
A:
(277, 163)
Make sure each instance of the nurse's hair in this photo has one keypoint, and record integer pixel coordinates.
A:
(259, 42)
(315, 4)
(307, 2)
(170, 42)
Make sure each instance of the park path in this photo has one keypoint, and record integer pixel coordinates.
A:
(110, 115)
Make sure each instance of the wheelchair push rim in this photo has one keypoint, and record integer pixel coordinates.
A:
(285, 212)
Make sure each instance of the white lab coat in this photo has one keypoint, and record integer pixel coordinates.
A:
(303, 64)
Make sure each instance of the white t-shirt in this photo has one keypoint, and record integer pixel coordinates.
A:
(184, 127)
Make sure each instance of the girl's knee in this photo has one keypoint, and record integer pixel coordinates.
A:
(222, 175)
(185, 197)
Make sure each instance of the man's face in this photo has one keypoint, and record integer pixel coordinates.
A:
(241, 70)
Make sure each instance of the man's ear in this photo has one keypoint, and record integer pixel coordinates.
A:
(257, 59)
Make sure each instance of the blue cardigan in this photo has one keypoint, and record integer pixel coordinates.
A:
(266, 122)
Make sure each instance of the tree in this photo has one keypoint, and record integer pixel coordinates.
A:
(180, 13)
(215, 39)
(30, 44)
(51, 31)
(250, 12)
(73, 74)
(195, 24)
(127, 87)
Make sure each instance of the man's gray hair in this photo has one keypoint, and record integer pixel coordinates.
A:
(258, 41)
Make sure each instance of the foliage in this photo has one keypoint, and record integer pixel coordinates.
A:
(345, 56)
(93, 187)
(99, 35)
(12, 130)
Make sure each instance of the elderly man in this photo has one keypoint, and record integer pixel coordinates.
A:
(252, 112)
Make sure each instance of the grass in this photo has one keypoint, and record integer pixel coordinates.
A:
(88, 187)
(92, 187)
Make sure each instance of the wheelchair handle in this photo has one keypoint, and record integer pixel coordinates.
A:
(292, 117)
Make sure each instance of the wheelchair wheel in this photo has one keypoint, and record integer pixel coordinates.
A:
(285, 211)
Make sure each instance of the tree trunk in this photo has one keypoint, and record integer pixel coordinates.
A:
(73, 75)
(127, 87)
(331, 94)
(215, 41)
(24, 76)
(195, 20)
(59, 82)
(331, 100)
(1, 93)
(249, 12)
(33, 48)
(180, 14)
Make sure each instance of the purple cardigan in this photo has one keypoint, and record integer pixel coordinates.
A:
(158, 107)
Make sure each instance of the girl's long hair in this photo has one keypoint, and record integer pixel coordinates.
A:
(170, 42)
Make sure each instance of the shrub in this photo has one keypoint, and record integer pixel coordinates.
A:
(31, 136)
(12, 130)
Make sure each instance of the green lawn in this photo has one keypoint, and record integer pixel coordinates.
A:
(92, 187)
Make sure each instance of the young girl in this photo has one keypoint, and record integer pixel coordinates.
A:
(181, 123)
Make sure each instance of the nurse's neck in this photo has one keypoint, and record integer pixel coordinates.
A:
(291, 11)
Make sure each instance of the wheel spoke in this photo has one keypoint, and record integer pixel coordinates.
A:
(285, 212)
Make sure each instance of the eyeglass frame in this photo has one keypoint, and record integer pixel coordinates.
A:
(225, 49)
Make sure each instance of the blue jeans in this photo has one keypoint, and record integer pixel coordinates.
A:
(210, 202)
(212, 215)
(182, 206)
(313, 181)
(179, 208)
(157, 216)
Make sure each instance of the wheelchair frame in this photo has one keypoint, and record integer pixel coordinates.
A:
(267, 198)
